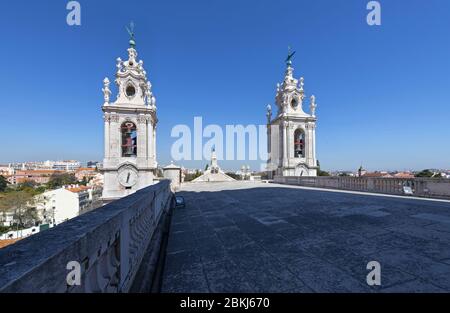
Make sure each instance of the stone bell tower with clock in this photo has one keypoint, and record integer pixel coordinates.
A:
(292, 133)
(130, 129)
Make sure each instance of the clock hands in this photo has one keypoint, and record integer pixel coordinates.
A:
(128, 177)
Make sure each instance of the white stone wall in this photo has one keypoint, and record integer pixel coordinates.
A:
(65, 203)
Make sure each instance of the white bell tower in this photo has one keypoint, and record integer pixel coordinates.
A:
(292, 133)
(130, 129)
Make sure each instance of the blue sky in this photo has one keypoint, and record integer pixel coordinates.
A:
(383, 92)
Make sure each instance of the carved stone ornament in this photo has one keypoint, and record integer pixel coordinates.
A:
(106, 90)
(114, 118)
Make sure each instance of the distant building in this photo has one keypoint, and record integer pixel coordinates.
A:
(7, 218)
(87, 172)
(36, 176)
(245, 172)
(377, 175)
(68, 166)
(97, 181)
(60, 205)
(343, 174)
(404, 175)
(6, 170)
(92, 164)
(191, 171)
(213, 173)
(361, 171)
(28, 166)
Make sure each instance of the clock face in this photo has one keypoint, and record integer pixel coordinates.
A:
(128, 177)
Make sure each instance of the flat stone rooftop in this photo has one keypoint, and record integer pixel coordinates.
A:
(256, 237)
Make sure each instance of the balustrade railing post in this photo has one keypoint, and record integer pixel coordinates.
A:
(370, 184)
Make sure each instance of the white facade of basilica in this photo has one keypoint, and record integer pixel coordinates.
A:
(130, 130)
(292, 133)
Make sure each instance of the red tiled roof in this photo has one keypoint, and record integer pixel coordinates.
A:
(78, 189)
(7, 242)
(86, 169)
(376, 174)
(404, 175)
(37, 172)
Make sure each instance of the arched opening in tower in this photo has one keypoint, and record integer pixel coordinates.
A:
(129, 139)
(299, 143)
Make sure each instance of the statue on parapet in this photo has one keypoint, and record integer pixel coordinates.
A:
(106, 90)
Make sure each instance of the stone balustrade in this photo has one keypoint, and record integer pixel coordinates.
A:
(108, 243)
(421, 187)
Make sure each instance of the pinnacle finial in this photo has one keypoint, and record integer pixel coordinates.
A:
(130, 30)
(313, 106)
(290, 56)
(269, 113)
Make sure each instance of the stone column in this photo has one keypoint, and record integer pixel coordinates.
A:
(280, 145)
(288, 142)
(314, 144)
(284, 125)
(115, 137)
(150, 139)
(154, 145)
(146, 138)
(309, 151)
(107, 120)
(291, 139)
(142, 136)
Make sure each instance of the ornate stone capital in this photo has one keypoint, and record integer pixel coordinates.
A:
(142, 119)
(114, 118)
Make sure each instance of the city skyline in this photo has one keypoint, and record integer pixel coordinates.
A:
(222, 152)
(384, 113)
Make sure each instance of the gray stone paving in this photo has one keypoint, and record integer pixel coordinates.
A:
(255, 237)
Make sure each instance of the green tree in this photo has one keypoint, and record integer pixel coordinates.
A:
(40, 189)
(59, 180)
(233, 175)
(425, 173)
(191, 177)
(27, 185)
(21, 204)
(322, 173)
(84, 181)
(3, 183)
